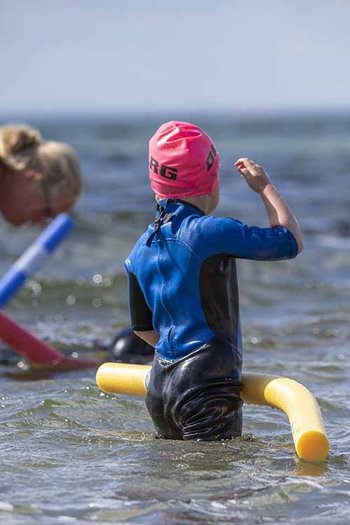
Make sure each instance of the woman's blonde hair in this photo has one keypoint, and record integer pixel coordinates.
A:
(22, 147)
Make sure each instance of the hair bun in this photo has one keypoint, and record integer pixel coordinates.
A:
(15, 143)
(17, 138)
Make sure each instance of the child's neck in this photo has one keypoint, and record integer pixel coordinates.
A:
(206, 203)
(203, 203)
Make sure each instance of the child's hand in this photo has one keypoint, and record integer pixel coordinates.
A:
(254, 175)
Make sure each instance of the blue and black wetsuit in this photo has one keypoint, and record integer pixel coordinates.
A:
(183, 285)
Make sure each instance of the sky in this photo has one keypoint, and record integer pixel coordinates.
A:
(110, 56)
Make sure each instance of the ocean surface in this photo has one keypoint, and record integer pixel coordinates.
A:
(71, 454)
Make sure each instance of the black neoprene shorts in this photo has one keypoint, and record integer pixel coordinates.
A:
(198, 396)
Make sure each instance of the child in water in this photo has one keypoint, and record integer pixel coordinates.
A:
(183, 291)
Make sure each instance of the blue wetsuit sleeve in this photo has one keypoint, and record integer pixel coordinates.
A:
(232, 237)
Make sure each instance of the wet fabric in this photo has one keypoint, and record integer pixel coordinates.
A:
(182, 273)
(198, 396)
(183, 284)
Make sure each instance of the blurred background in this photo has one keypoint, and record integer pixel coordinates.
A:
(266, 79)
(269, 80)
(121, 56)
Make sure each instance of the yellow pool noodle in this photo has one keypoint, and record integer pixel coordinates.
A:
(304, 414)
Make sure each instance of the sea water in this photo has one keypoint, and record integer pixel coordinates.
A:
(71, 454)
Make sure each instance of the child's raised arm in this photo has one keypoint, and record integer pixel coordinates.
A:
(278, 211)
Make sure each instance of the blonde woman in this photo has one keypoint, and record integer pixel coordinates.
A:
(38, 179)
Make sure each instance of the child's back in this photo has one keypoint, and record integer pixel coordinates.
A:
(184, 293)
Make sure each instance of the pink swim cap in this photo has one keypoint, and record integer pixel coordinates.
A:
(183, 161)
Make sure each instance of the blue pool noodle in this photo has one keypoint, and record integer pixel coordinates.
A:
(33, 256)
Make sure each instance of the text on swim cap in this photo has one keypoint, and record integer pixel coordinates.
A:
(163, 169)
(211, 157)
